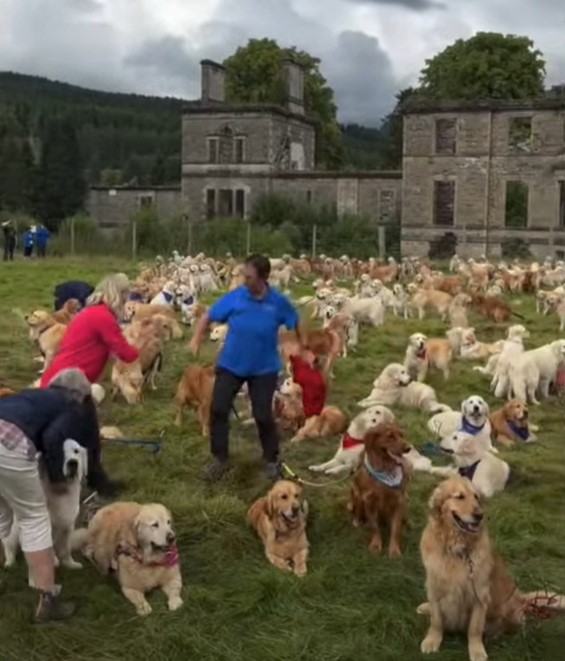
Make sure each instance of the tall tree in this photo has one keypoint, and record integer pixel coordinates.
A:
(488, 65)
(255, 74)
(60, 186)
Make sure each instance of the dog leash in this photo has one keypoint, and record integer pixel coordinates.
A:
(296, 477)
(154, 446)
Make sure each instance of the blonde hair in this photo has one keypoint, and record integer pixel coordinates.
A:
(111, 290)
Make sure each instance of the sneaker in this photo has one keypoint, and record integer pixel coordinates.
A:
(273, 471)
(50, 608)
(215, 470)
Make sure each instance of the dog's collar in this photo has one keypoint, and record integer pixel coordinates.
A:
(348, 442)
(469, 471)
(470, 428)
(522, 433)
(168, 297)
(390, 479)
(171, 557)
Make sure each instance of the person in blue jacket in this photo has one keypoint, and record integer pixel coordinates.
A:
(29, 242)
(42, 238)
(254, 313)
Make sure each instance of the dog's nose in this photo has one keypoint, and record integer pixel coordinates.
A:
(295, 509)
(476, 408)
(478, 516)
(171, 537)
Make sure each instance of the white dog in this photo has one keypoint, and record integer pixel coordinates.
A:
(395, 386)
(63, 508)
(473, 419)
(166, 296)
(348, 455)
(351, 445)
(488, 473)
(536, 369)
(369, 311)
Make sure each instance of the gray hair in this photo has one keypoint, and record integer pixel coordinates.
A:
(111, 290)
(74, 381)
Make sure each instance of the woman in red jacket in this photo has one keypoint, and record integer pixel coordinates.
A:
(94, 334)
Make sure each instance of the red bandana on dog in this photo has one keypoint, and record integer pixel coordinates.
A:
(348, 442)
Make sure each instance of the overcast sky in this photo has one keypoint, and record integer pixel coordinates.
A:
(369, 48)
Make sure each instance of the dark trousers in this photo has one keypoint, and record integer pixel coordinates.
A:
(261, 391)
(41, 250)
(9, 251)
(28, 250)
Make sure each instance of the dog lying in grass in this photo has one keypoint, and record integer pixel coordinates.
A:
(510, 424)
(137, 543)
(279, 518)
(472, 460)
(468, 587)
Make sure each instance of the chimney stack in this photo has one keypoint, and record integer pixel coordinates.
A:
(294, 75)
(213, 78)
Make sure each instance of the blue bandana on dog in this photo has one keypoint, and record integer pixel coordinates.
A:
(469, 428)
(469, 471)
(522, 433)
(392, 479)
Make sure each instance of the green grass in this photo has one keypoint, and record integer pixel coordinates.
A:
(352, 606)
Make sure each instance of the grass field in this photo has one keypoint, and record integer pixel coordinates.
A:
(352, 606)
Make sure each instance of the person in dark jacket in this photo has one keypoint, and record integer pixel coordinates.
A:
(39, 421)
(29, 242)
(72, 289)
(9, 240)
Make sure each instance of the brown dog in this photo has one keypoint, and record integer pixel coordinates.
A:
(67, 312)
(494, 308)
(379, 485)
(195, 389)
(510, 423)
(322, 342)
(47, 332)
(280, 521)
(468, 586)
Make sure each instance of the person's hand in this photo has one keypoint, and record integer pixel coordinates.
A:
(194, 346)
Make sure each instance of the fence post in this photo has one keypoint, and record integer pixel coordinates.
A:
(314, 240)
(248, 239)
(381, 233)
(134, 239)
(189, 247)
(73, 236)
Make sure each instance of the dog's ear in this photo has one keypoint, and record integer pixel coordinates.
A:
(487, 408)
(83, 463)
(463, 406)
(436, 500)
(269, 505)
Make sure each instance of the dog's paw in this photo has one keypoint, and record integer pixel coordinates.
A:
(300, 571)
(175, 603)
(143, 609)
(72, 564)
(56, 562)
(376, 546)
(477, 652)
(423, 609)
(394, 552)
(430, 644)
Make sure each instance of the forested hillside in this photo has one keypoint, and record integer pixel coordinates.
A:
(55, 136)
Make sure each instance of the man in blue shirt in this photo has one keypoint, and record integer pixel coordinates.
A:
(42, 238)
(254, 313)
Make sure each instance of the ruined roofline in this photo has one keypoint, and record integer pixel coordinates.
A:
(430, 106)
(135, 187)
(199, 108)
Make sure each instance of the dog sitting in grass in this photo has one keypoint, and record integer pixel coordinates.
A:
(279, 518)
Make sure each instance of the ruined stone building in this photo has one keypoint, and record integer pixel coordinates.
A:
(232, 154)
(476, 174)
(487, 173)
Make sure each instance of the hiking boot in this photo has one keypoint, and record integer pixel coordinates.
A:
(274, 471)
(216, 470)
(50, 607)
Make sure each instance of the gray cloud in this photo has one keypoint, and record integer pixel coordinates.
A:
(415, 5)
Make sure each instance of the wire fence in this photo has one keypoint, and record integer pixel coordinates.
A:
(146, 236)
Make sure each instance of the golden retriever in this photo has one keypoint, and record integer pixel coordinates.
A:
(322, 342)
(47, 332)
(67, 312)
(129, 378)
(138, 543)
(378, 492)
(195, 389)
(279, 518)
(510, 423)
(468, 586)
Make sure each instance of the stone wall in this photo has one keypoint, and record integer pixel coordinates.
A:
(113, 207)
(494, 145)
